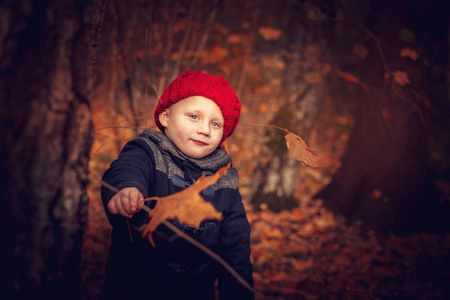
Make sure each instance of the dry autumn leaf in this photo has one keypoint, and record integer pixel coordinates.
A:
(349, 78)
(401, 78)
(408, 52)
(360, 50)
(269, 33)
(217, 54)
(301, 151)
(187, 206)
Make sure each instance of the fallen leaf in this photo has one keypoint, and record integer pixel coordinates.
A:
(408, 52)
(269, 33)
(187, 206)
(301, 151)
(279, 277)
(301, 265)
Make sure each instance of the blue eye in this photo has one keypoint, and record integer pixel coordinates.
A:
(215, 124)
(195, 117)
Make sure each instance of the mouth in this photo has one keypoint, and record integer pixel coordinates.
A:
(200, 143)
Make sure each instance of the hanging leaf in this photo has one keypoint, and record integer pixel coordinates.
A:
(401, 78)
(301, 151)
(269, 33)
(411, 53)
(187, 206)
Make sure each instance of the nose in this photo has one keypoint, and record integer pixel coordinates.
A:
(204, 128)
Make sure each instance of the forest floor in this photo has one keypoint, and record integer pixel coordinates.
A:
(309, 253)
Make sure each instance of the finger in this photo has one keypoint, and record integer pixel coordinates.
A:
(140, 202)
(135, 195)
(112, 207)
(122, 206)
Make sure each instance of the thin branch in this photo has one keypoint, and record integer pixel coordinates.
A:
(204, 249)
(183, 45)
(169, 44)
(117, 126)
(266, 125)
(208, 26)
(309, 6)
(193, 242)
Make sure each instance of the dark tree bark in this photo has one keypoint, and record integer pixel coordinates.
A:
(386, 179)
(46, 133)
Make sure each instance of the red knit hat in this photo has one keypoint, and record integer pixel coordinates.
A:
(213, 87)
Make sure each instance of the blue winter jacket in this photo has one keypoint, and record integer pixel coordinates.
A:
(175, 269)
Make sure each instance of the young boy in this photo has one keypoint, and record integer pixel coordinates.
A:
(195, 113)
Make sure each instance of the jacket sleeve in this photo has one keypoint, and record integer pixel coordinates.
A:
(234, 247)
(133, 168)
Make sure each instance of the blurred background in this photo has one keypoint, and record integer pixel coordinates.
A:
(366, 84)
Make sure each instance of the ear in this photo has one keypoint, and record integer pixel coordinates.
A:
(164, 118)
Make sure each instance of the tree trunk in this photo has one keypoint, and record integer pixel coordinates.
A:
(386, 180)
(383, 180)
(276, 174)
(46, 133)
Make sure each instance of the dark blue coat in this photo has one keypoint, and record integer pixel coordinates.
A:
(175, 269)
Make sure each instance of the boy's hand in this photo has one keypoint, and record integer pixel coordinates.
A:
(126, 202)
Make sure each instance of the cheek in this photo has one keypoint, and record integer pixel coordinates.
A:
(181, 131)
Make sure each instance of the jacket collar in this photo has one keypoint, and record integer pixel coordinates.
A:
(209, 164)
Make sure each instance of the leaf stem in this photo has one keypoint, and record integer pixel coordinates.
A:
(266, 125)
(117, 126)
(193, 242)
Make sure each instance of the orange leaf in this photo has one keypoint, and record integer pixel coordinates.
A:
(187, 206)
(269, 33)
(347, 76)
(216, 55)
(360, 50)
(408, 52)
(298, 147)
(401, 78)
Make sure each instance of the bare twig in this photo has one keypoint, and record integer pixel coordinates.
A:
(212, 254)
(187, 35)
(117, 126)
(311, 7)
(208, 26)
(266, 125)
(193, 242)
(169, 44)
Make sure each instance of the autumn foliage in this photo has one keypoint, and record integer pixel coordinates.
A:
(287, 74)
(187, 206)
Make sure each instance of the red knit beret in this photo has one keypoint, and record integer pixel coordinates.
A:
(213, 87)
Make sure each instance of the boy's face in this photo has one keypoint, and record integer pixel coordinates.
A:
(195, 125)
